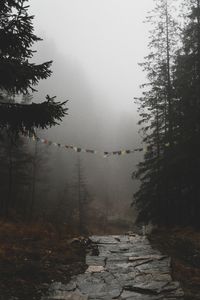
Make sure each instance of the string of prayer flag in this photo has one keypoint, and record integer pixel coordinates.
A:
(105, 154)
(79, 149)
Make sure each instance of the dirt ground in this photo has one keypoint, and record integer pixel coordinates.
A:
(183, 245)
(31, 257)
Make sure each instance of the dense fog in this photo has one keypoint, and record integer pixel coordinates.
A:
(95, 47)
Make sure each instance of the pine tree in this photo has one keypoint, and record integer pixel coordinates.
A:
(170, 188)
(187, 85)
(156, 112)
(15, 160)
(18, 74)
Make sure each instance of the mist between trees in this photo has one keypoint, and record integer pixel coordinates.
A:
(38, 182)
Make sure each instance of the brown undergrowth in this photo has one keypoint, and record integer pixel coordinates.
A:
(183, 245)
(34, 255)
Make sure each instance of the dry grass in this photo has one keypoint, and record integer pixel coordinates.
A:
(32, 256)
(183, 245)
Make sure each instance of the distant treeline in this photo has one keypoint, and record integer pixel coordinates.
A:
(32, 191)
(170, 117)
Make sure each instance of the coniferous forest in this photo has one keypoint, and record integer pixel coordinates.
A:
(169, 109)
(170, 117)
(18, 117)
(73, 224)
(30, 189)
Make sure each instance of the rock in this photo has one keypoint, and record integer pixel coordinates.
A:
(71, 286)
(78, 241)
(128, 295)
(125, 267)
(95, 269)
(147, 257)
(148, 287)
(95, 260)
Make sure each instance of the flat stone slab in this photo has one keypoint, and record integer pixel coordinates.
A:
(126, 267)
(95, 269)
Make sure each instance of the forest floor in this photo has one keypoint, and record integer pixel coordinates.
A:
(183, 245)
(33, 256)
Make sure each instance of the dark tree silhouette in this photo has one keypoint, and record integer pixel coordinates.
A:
(156, 112)
(20, 76)
(187, 86)
(170, 109)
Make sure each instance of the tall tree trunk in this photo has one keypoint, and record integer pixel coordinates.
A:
(33, 185)
(80, 198)
(10, 179)
(169, 86)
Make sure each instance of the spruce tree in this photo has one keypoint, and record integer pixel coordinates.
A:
(187, 86)
(18, 74)
(156, 112)
(170, 111)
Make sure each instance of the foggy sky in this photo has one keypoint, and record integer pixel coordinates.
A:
(106, 39)
(96, 46)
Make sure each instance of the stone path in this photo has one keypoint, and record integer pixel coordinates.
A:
(123, 267)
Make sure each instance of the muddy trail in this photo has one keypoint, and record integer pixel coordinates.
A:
(121, 267)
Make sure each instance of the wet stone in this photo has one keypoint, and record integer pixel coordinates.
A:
(95, 269)
(125, 278)
(147, 257)
(152, 266)
(119, 270)
(117, 259)
(105, 239)
(71, 286)
(128, 295)
(161, 277)
(148, 287)
(95, 260)
(126, 267)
